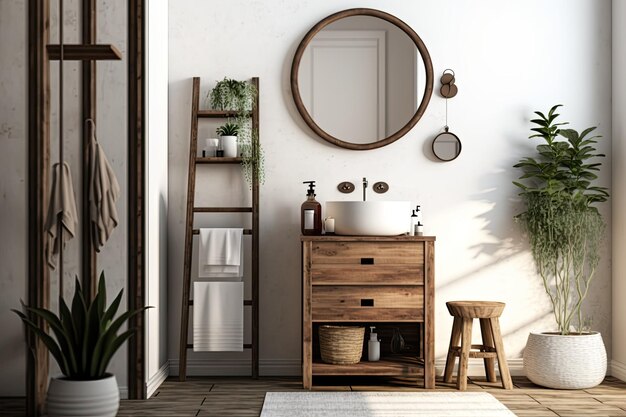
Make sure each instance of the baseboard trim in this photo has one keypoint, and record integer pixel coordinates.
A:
(235, 367)
(155, 381)
(123, 393)
(292, 367)
(618, 370)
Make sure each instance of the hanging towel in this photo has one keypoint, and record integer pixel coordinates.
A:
(220, 253)
(63, 203)
(218, 316)
(104, 190)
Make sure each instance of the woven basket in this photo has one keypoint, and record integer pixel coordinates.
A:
(565, 362)
(341, 345)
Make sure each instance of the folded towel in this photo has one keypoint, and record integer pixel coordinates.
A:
(220, 253)
(62, 206)
(218, 316)
(104, 190)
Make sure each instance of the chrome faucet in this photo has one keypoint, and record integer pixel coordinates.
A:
(364, 189)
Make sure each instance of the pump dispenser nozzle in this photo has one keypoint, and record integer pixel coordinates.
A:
(311, 190)
(373, 335)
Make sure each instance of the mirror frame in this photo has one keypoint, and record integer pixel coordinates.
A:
(295, 88)
(447, 132)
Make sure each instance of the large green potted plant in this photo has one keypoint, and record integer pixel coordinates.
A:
(565, 229)
(240, 96)
(85, 340)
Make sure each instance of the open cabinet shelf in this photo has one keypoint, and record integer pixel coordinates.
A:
(401, 365)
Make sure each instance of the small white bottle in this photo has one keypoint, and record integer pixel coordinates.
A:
(373, 346)
(419, 229)
(413, 224)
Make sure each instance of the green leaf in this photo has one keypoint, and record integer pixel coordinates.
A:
(112, 310)
(111, 348)
(63, 341)
(101, 295)
(50, 343)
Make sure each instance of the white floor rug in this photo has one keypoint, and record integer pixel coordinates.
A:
(387, 404)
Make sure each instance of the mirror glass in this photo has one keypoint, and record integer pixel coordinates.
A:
(446, 146)
(361, 80)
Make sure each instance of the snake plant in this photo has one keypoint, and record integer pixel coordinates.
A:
(228, 129)
(85, 337)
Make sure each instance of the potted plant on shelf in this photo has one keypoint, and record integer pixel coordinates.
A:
(240, 96)
(228, 137)
(85, 340)
(565, 230)
(230, 94)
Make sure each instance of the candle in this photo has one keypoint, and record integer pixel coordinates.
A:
(329, 225)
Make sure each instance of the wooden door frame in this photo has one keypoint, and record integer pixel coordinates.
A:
(136, 196)
(38, 174)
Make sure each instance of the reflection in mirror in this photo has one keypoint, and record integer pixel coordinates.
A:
(446, 146)
(361, 79)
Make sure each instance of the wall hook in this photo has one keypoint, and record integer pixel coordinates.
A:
(448, 87)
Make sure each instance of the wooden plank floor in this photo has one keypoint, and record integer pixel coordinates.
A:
(235, 396)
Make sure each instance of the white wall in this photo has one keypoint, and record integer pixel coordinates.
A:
(619, 193)
(509, 60)
(156, 189)
(112, 135)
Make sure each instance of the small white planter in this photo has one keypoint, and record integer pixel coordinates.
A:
(229, 145)
(565, 362)
(98, 398)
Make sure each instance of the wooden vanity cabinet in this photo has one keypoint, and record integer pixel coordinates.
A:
(385, 282)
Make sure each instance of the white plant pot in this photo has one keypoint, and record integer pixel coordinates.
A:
(229, 145)
(565, 362)
(98, 398)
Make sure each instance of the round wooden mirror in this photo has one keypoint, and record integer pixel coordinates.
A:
(361, 78)
(447, 146)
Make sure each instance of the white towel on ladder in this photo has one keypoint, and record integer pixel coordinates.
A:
(218, 316)
(220, 253)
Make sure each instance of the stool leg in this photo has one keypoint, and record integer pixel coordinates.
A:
(490, 363)
(502, 365)
(466, 345)
(454, 342)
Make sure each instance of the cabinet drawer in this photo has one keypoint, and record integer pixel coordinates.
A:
(367, 303)
(367, 253)
(346, 274)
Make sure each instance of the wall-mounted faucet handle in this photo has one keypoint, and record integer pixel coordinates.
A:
(381, 187)
(364, 189)
(345, 187)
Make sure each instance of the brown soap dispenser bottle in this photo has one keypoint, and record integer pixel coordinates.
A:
(311, 213)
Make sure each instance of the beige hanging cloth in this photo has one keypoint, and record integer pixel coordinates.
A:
(62, 208)
(104, 190)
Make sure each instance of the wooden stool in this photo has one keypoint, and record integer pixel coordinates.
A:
(464, 313)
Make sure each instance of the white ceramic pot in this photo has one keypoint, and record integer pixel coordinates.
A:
(565, 362)
(229, 145)
(98, 398)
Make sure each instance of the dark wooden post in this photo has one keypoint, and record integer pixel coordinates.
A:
(88, 68)
(38, 172)
(136, 192)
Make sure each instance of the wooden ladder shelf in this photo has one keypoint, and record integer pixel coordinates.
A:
(194, 160)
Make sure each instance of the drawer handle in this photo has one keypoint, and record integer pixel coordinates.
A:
(367, 261)
(367, 302)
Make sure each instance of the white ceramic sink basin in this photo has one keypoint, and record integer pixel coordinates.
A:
(369, 218)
